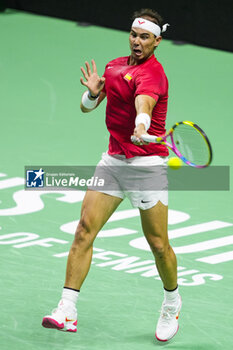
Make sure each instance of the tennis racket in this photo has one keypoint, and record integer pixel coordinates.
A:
(188, 141)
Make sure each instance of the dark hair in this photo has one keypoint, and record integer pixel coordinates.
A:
(149, 14)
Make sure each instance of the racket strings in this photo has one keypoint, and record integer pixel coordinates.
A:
(191, 144)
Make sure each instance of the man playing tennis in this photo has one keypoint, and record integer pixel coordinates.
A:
(136, 88)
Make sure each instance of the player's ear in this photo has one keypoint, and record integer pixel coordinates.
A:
(157, 40)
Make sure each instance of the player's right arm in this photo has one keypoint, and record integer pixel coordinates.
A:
(100, 99)
(94, 96)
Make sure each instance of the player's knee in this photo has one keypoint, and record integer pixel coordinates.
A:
(159, 248)
(84, 233)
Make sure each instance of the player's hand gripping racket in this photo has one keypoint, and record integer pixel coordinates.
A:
(188, 141)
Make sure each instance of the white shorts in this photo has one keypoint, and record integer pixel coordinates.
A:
(141, 179)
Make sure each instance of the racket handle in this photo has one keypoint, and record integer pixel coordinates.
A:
(150, 138)
(147, 138)
(133, 138)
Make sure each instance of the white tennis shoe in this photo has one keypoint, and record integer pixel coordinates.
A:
(167, 325)
(63, 318)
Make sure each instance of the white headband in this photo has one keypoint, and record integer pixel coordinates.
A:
(150, 26)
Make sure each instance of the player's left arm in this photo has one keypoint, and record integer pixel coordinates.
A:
(144, 106)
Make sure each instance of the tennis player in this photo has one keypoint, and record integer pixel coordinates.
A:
(136, 88)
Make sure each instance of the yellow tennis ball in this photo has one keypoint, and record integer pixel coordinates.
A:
(174, 163)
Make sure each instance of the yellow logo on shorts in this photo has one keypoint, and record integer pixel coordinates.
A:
(128, 77)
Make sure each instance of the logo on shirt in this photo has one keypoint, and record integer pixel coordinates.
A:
(128, 77)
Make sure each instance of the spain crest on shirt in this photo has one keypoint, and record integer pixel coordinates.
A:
(128, 77)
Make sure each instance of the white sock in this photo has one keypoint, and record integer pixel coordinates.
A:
(171, 297)
(70, 296)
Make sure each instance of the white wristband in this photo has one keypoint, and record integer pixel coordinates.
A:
(87, 103)
(143, 118)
